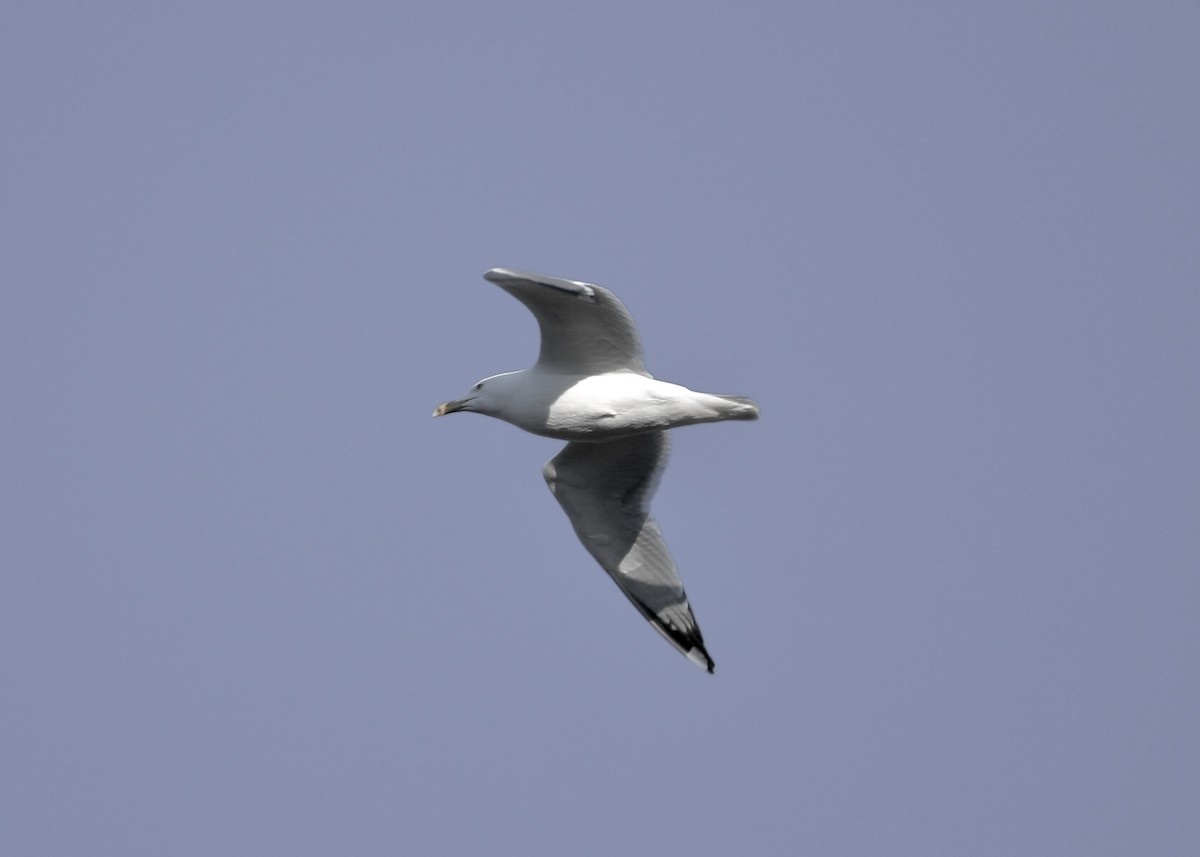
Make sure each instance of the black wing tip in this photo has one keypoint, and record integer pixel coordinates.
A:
(698, 655)
(690, 643)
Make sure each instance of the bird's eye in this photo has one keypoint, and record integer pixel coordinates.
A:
(479, 386)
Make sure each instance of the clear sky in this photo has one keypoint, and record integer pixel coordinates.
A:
(255, 600)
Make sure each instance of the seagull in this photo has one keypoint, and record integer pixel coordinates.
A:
(590, 388)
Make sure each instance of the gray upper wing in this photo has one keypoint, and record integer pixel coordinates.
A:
(605, 489)
(585, 329)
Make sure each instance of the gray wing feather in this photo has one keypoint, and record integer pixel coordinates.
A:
(585, 329)
(605, 489)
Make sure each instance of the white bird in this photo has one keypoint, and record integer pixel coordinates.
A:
(590, 387)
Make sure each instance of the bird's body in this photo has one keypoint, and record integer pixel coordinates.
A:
(591, 388)
(603, 407)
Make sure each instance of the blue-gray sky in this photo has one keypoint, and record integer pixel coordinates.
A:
(256, 601)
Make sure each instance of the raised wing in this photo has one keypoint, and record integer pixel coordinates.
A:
(585, 329)
(605, 489)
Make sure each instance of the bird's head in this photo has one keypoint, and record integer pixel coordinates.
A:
(486, 397)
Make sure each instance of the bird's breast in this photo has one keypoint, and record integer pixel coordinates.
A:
(607, 407)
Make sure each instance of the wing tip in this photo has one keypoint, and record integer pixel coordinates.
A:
(743, 407)
(690, 644)
(700, 658)
(497, 275)
(506, 277)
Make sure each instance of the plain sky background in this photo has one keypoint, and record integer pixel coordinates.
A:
(256, 601)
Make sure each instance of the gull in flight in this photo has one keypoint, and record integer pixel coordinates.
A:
(590, 388)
